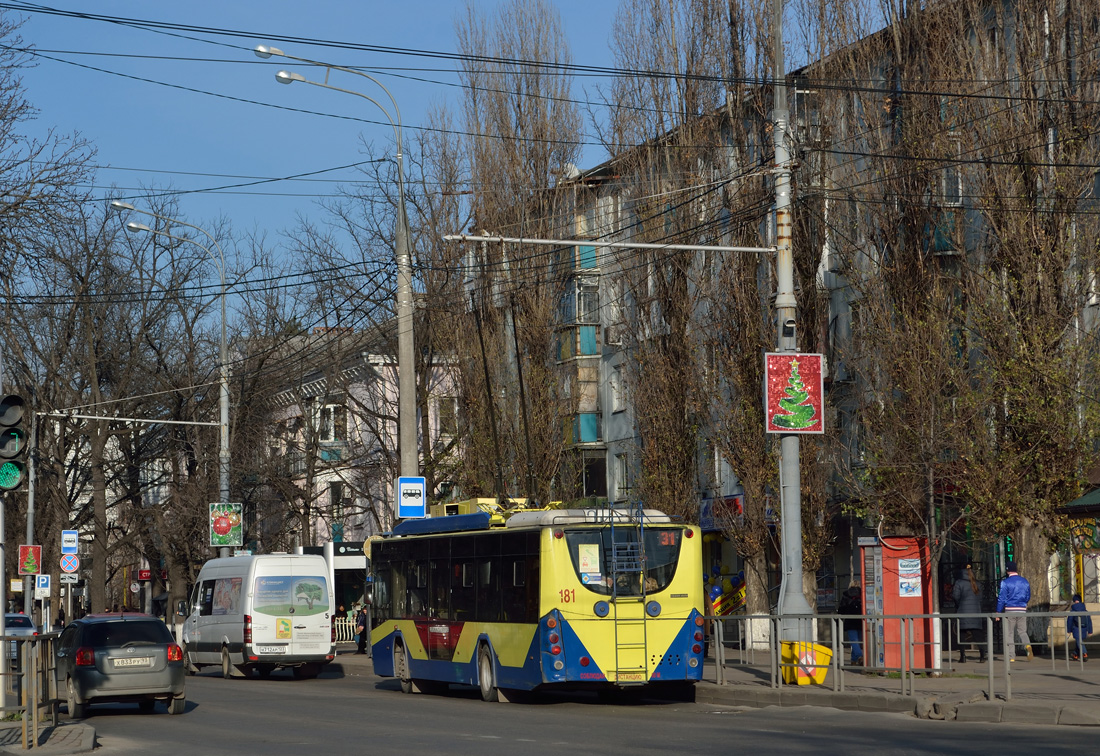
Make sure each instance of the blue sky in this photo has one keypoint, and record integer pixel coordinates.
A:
(166, 105)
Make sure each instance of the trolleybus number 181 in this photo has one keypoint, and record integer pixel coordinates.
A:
(567, 595)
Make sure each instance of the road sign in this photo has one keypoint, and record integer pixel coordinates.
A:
(70, 563)
(42, 586)
(412, 498)
(134, 587)
(68, 577)
(70, 540)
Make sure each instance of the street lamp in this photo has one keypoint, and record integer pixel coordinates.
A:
(406, 353)
(219, 260)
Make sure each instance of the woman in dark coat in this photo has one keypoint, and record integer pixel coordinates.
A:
(968, 600)
(851, 603)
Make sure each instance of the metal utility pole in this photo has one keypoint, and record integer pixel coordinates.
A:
(793, 607)
(406, 346)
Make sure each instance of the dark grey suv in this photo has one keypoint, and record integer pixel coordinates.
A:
(120, 657)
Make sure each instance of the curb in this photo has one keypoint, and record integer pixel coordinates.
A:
(758, 697)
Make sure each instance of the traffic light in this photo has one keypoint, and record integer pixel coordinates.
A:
(13, 441)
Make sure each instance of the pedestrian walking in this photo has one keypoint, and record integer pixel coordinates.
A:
(968, 601)
(1079, 628)
(1012, 602)
(852, 603)
(361, 629)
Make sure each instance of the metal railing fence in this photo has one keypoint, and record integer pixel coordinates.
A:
(906, 645)
(29, 677)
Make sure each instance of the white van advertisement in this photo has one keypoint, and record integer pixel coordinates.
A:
(279, 595)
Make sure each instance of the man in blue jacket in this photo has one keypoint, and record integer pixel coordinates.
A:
(1012, 602)
(1079, 628)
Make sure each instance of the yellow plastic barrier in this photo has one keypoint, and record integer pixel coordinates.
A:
(805, 663)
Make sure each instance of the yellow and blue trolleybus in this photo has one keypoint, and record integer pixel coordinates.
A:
(584, 598)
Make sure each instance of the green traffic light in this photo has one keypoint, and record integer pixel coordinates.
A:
(11, 475)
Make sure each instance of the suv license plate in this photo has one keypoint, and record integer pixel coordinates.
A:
(137, 661)
(271, 649)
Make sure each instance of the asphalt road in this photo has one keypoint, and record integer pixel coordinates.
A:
(341, 713)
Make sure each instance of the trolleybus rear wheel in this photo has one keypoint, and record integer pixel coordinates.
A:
(485, 675)
(401, 668)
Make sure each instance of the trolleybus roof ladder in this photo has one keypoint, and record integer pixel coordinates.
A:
(628, 564)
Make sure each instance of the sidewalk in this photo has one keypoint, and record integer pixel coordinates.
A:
(1040, 694)
(68, 737)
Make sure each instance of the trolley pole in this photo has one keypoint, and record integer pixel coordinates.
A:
(793, 609)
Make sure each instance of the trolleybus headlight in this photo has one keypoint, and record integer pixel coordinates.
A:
(652, 608)
(602, 608)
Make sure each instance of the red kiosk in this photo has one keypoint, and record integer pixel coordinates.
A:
(897, 580)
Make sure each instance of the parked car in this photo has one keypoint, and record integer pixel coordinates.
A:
(120, 657)
(18, 625)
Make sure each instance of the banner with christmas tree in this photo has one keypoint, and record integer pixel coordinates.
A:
(30, 560)
(794, 394)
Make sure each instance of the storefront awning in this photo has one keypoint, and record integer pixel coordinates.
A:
(1087, 504)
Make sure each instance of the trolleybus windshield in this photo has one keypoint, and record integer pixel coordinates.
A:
(599, 569)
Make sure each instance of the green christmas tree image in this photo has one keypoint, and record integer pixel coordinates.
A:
(799, 413)
(30, 565)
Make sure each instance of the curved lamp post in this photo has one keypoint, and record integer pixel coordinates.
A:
(406, 353)
(219, 260)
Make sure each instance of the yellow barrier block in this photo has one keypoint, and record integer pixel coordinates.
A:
(805, 663)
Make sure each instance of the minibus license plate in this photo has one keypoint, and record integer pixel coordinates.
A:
(271, 649)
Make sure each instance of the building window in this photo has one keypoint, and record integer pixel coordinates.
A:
(447, 409)
(336, 500)
(952, 177)
(616, 386)
(331, 422)
(588, 300)
(622, 476)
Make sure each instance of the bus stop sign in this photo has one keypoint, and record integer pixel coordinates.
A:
(412, 498)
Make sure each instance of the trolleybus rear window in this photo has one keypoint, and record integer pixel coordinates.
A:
(616, 568)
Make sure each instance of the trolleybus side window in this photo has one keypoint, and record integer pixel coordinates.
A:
(381, 610)
(488, 589)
